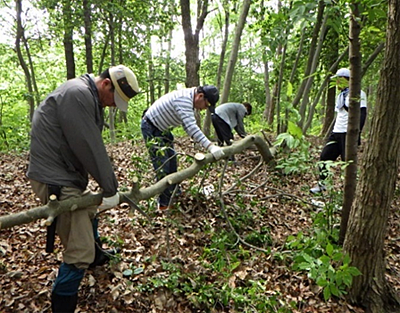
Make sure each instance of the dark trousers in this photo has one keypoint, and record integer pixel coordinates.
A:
(223, 130)
(162, 154)
(335, 147)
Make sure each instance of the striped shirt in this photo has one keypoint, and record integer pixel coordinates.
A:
(176, 109)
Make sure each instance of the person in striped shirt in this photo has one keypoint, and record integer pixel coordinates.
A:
(174, 109)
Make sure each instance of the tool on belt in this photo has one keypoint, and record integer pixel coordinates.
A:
(51, 230)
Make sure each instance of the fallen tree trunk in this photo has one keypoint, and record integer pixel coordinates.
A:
(54, 207)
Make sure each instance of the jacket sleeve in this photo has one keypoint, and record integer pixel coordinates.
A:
(240, 125)
(77, 116)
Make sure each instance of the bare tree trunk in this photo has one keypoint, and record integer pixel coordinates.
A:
(168, 64)
(234, 53)
(192, 40)
(370, 211)
(353, 126)
(330, 107)
(68, 42)
(331, 92)
(267, 88)
(20, 34)
(224, 43)
(372, 58)
(207, 120)
(298, 56)
(88, 36)
(310, 79)
(311, 53)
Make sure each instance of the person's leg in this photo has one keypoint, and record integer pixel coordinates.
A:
(215, 121)
(77, 236)
(75, 230)
(223, 130)
(162, 155)
(330, 152)
(64, 296)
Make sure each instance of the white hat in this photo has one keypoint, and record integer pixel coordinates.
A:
(125, 84)
(342, 72)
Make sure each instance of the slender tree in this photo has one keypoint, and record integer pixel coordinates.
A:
(28, 78)
(68, 38)
(370, 211)
(353, 128)
(88, 35)
(234, 52)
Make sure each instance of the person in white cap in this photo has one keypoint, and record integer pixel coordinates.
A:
(336, 144)
(66, 146)
(176, 109)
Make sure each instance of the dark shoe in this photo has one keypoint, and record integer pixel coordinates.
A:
(63, 304)
(102, 256)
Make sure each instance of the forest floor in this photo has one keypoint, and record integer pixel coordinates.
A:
(183, 260)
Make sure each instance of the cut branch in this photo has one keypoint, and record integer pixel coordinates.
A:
(54, 207)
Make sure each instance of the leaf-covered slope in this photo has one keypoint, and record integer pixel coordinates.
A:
(188, 260)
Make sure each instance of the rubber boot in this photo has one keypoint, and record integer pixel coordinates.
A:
(63, 304)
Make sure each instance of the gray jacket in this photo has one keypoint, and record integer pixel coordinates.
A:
(233, 114)
(66, 141)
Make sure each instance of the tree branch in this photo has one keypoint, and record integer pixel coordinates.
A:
(54, 207)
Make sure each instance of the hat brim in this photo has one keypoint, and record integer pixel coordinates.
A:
(120, 103)
(336, 76)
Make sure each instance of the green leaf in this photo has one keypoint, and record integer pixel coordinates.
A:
(334, 290)
(289, 90)
(128, 272)
(329, 249)
(354, 271)
(327, 293)
(325, 259)
(322, 282)
(295, 130)
(138, 270)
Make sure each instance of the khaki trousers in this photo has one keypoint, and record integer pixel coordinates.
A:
(75, 228)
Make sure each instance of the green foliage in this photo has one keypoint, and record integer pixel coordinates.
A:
(324, 263)
(296, 161)
(216, 285)
(317, 255)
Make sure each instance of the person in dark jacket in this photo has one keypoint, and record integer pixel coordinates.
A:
(66, 146)
(229, 116)
(336, 144)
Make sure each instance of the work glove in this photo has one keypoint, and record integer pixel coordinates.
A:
(216, 152)
(109, 202)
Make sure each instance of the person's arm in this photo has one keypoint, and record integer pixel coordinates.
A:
(77, 116)
(240, 125)
(184, 108)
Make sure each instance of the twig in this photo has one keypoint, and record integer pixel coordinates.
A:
(221, 200)
(244, 177)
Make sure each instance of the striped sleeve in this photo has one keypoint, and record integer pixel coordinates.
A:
(186, 112)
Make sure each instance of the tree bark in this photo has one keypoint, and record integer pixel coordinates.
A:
(88, 35)
(54, 208)
(353, 125)
(311, 53)
(310, 79)
(192, 40)
(28, 79)
(369, 215)
(234, 53)
(331, 93)
(68, 41)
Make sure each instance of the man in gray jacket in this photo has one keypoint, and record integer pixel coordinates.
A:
(229, 116)
(66, 146)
